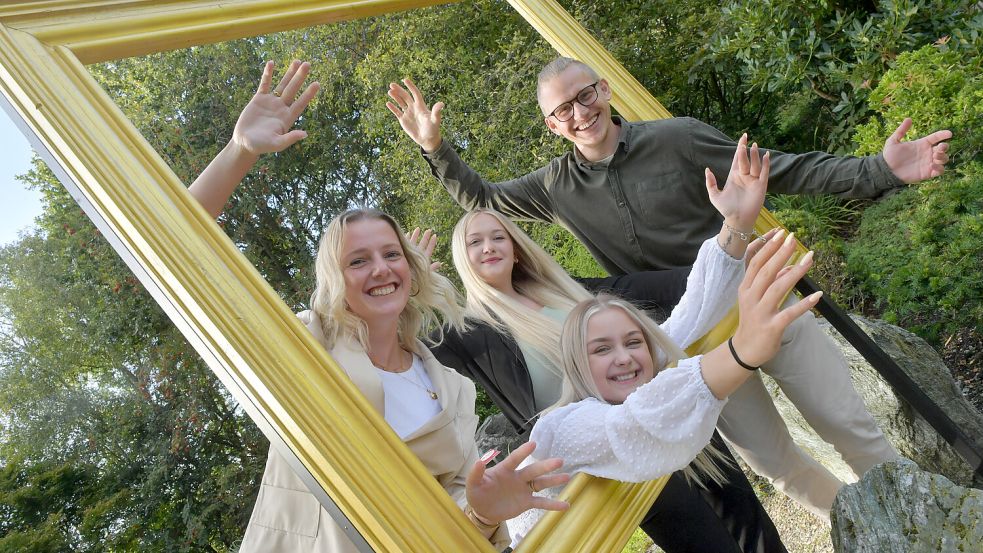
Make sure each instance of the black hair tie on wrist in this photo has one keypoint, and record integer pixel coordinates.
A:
(730, 344)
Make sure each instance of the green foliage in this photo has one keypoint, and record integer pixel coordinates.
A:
(566, 249)
(939, 89)
(814, 218)
(639, 542)
(920, 254)
(822, 58)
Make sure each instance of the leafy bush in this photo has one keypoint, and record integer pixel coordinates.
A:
(938, 89)
(919, 252)
(814, 218)
(821, 58)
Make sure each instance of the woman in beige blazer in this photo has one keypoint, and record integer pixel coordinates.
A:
(375, 294)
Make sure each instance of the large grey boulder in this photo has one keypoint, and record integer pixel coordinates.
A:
(911, 435)
(896, 507)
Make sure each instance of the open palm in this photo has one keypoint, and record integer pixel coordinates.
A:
(743, 194)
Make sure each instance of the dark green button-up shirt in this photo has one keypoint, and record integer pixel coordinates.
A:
(647, 208)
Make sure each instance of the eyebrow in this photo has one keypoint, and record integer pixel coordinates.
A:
(361, 251)
(474, 234)
(609, 339)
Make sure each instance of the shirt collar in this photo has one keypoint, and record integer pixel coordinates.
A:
(624, 140)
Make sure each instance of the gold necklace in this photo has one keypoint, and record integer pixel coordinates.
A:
(418, 381)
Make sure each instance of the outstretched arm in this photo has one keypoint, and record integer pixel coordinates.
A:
(265, 125)
(916, 160)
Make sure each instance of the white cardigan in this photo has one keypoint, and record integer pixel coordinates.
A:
(663, 424)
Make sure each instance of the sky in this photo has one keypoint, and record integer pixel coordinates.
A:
(19, 206)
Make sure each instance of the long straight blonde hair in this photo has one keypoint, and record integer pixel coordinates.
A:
(578, 382)
(433, 297)
(536, 275)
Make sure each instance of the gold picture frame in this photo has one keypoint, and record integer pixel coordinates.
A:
(285, 381)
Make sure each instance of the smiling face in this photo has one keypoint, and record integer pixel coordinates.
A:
(377, 274)
(591, 127)
(491, 252)
(618, 355)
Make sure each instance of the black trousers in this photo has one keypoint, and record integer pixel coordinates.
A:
(657, 292)
(719, 519)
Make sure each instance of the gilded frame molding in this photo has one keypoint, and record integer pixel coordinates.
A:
(286, 382)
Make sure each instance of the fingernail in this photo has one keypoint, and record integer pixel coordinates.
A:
(790, 237)
(778, 235)
(488, 456)
(815, 296)
(806, 258)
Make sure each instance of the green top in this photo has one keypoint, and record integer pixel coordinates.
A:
(546, 379)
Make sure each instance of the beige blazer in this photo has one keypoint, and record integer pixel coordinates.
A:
(288, 518)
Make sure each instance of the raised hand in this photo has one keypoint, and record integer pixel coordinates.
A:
(420, 122)
(916, 160)
(426, 243)
(766, 283)
(504, 491)
(743, 194)
(263, 126)
(265, 123)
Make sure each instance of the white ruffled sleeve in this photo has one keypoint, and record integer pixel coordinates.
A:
(658, 430)
(711, 290)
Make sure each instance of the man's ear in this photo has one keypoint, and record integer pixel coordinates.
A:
(604, 88)
(551, 125)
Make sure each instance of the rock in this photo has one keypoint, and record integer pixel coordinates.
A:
(496, 432)
(910, 433)
(896, 507)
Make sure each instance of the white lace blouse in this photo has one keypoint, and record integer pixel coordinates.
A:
(664, 423)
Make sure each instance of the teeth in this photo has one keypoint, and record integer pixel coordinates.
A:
(624, 377)
(383, 290)
(588, 124)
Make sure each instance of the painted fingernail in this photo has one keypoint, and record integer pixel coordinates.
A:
(488, 456)
(790, 237)
(815, 296)
(806, 258)
(779, 235)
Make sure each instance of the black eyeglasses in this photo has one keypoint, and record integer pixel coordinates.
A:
(586, 97)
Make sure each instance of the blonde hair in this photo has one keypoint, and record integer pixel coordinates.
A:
(578, 382)
(536, 276)
(435, 298)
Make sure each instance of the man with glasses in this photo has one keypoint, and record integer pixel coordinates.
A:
(634, 194)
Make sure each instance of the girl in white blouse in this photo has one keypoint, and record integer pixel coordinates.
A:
(623, 413)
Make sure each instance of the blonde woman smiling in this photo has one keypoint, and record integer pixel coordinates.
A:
(624, 413)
